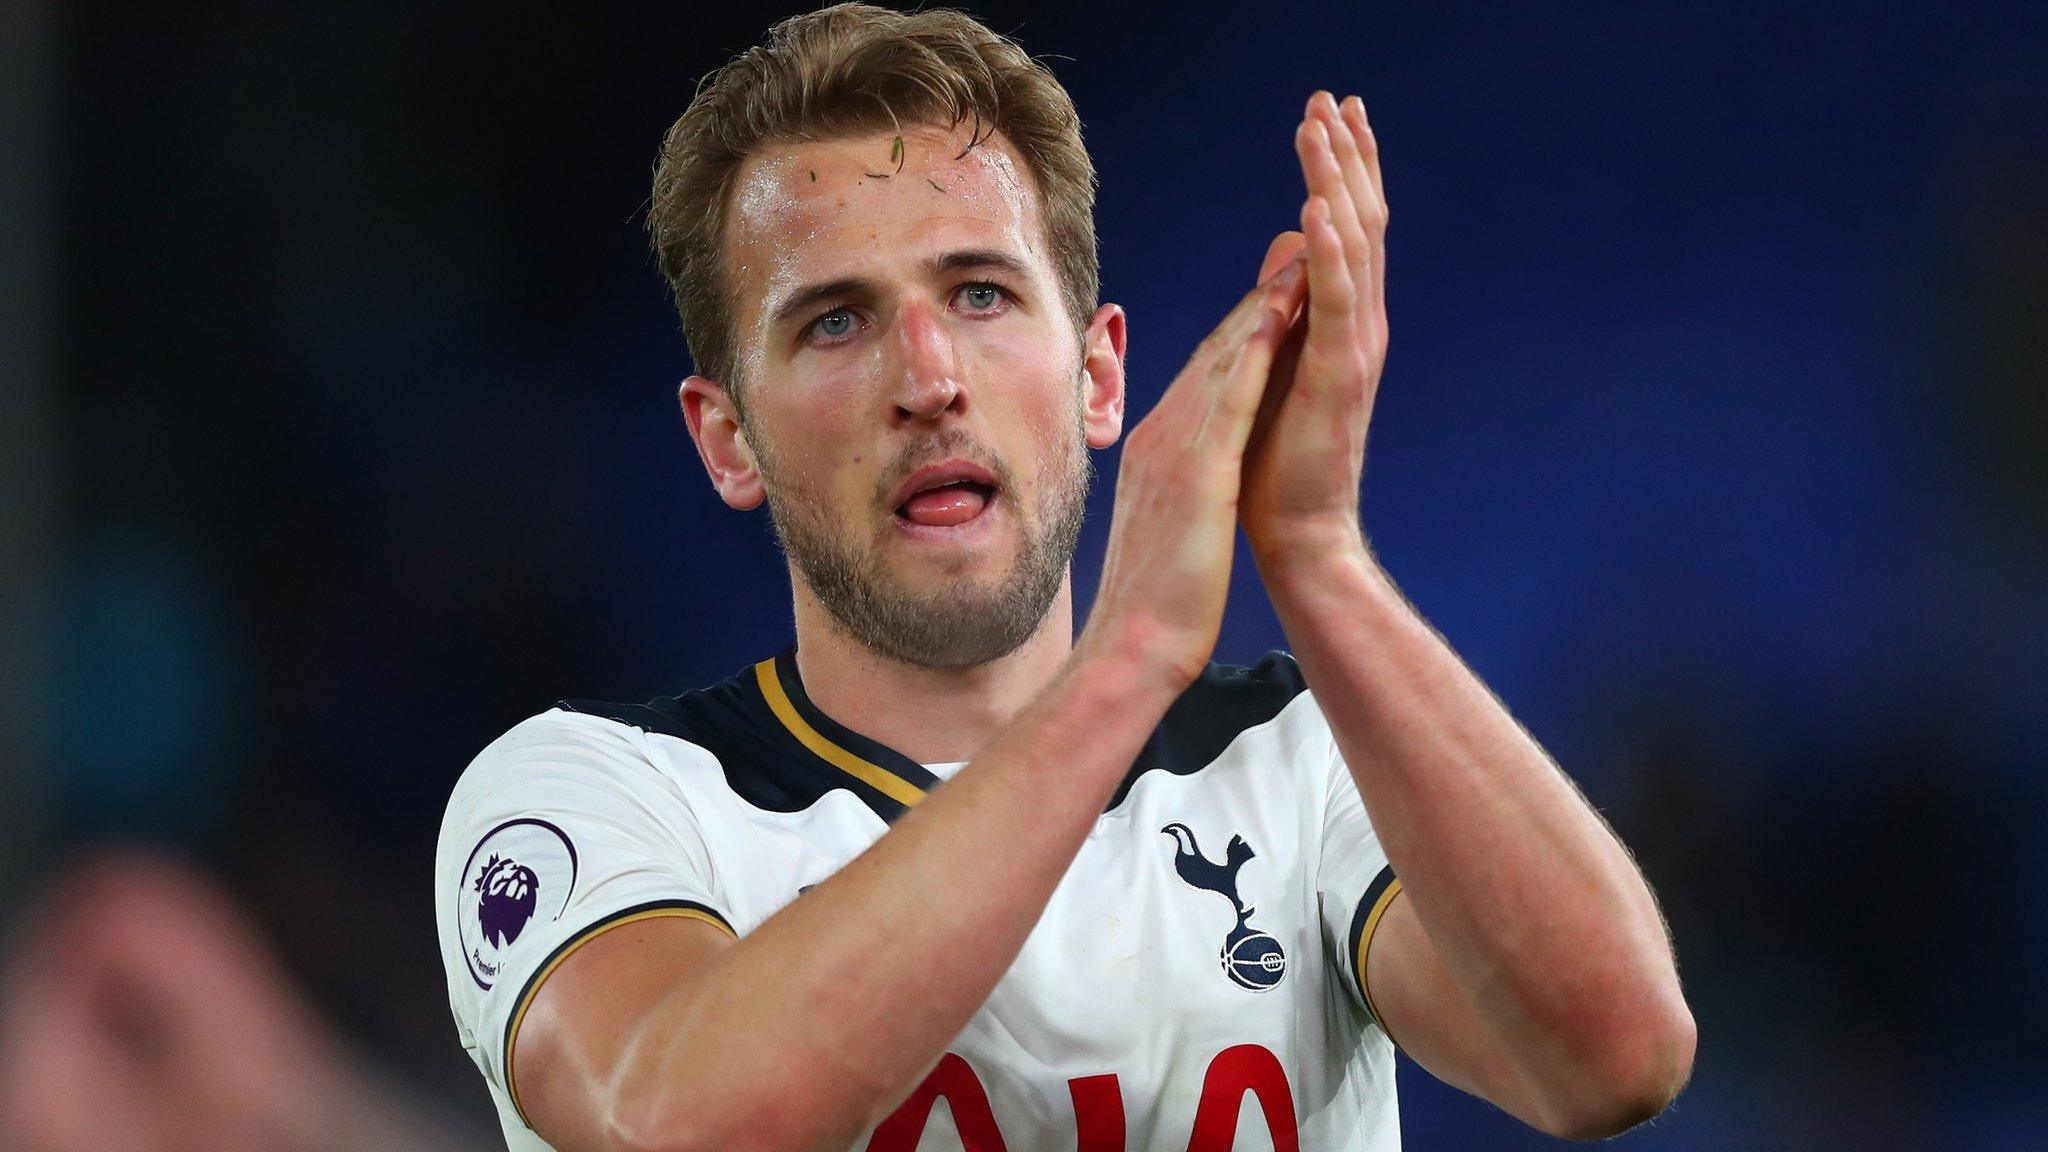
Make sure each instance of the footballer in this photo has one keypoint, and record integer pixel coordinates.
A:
(1085, 890)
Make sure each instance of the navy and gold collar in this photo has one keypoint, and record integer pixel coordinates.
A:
(780, 752)
(837, 747)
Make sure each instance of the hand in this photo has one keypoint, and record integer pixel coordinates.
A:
(142, 1011)
(1306, 456)
(1173, 531)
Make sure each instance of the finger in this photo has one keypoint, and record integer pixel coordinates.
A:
(1222, 342)
(1360, 228)
(1285, 247)
(1369, 265)
(1219, 349)
(1368, 150)
(1365, 199)
(1348, 236)
(1332, 294)
(1243, 383)
(1326, 181)
(1319, 169)
(1270, 306)
(1279, 383)
(1286, 293)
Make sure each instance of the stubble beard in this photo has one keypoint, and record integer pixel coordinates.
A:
(959, 623)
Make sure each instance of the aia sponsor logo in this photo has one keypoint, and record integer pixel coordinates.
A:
(1098, 1103)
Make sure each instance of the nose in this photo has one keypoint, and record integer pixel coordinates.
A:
(928, 383)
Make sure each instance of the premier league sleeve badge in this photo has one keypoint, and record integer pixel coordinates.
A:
(521, 871)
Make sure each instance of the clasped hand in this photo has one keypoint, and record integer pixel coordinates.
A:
(1264, 427)
(1305, 460)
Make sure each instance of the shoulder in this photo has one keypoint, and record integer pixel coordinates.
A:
(605, 739)
(711, 746)
(575, 804)
(559, 745)
(563, 768)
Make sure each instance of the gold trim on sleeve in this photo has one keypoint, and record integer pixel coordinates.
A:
(568, 949)
(1372, 923)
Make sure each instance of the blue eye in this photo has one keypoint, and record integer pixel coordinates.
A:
(981, 297)
(835, 324)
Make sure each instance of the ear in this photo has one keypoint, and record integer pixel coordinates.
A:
(1102, 369)
(721, 442)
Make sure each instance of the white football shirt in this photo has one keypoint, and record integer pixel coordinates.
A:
(1193, 983)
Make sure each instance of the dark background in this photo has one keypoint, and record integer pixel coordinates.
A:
(341, 434)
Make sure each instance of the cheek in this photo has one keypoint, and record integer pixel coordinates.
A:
(1033, 367)
(818, 415)
(837, 390)
(1033, 347)
(826, 469)
(1048, 430)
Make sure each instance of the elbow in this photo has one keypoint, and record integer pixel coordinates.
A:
(1633, 1075)
(722, 1119)
(629, 1132)
(672, 1124)
(700, 1133)
(650, 1130)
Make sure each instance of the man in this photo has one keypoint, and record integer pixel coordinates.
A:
(1090, 891)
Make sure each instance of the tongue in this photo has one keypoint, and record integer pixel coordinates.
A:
(945, 507)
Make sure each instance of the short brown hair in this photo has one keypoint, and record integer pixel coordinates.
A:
(844, 70)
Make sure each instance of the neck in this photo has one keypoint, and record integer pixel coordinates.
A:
(953, 711)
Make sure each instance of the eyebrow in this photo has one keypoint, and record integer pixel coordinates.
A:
(804, 299)
(977, 258)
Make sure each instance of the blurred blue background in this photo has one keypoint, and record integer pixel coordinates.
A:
(341, 434)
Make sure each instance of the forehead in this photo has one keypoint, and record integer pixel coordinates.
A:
(804, 211)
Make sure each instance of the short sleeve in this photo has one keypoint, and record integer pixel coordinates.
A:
(560, 830)
(1354, 882)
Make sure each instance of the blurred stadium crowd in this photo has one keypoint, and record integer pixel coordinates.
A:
(339, 434)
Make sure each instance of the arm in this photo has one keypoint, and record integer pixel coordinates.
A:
(670, 1035)
(1525, 961)
(1528, 962)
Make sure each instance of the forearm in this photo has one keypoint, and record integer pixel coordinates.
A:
(847, 996)
(1533, 906)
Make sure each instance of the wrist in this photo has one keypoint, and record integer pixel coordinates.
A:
(1335, 565)
(1308, 551)
(1131, 661)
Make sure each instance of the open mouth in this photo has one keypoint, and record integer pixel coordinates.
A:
(947, 505)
